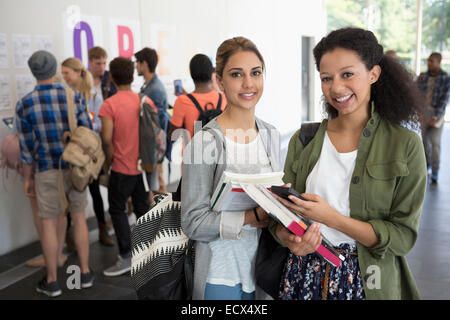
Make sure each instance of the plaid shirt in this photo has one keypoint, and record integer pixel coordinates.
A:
(441, 91)
(41, 120)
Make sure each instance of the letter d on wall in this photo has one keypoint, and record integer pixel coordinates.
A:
(82, 26)
(123, 31)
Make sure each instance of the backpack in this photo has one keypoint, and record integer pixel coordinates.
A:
(152, 138)
(10, 156)
(162, 256)
(169, 142)
(82, 151)
(206, 115)
(271, 256)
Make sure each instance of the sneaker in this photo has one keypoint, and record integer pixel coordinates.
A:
(50, 289)
(429, 168)
(122, 266)
(87, 280)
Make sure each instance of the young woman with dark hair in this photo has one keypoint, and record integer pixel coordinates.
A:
(363, 176)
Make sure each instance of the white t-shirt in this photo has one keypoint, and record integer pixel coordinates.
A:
(330, 179)
(233, 261)
(98, 89)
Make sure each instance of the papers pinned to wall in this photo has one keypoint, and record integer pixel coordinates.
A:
(4, 64)
(25, 83)
(21, 50)
(5, 92)
(44, 43)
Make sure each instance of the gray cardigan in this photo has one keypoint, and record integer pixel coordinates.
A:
(203, 165)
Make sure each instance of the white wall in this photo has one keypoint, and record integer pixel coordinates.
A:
(178, 30)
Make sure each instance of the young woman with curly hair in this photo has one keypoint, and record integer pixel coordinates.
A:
(363, 176)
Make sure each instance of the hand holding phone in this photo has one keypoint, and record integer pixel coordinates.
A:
(178, 87)
(285, 192)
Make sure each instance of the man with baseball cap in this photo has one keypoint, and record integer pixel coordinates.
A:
(42, 119)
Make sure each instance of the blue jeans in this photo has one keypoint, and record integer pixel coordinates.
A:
(222, 292)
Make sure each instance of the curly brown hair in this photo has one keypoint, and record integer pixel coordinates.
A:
(395, 95)
(122, 70)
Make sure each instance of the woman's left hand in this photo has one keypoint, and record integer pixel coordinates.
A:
(315, 208)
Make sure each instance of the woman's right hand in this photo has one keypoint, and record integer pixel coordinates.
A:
(301, 246)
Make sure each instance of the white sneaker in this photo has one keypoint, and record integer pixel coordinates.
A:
(122, 266)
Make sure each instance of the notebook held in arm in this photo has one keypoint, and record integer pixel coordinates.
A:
(271, 256)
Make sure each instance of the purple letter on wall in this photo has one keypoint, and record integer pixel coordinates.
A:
(82, 26)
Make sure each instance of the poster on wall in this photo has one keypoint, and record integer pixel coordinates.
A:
(25, 83)
(162, 38)
(81, 32)
(125, 41)
(44, 43)
(21, 50)
(5, 92)
(125, 37)
(3, 51)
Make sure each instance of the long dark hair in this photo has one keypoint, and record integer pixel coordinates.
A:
(396, 97)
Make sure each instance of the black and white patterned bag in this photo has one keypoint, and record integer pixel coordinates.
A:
(162, 263)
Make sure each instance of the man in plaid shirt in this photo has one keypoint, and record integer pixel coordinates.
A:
(41, 119)
(435, 85)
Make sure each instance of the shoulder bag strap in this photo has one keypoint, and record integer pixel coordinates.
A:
(176, 196)
(71, 110)
(308, 131)
(142, 98)
(195, 102)
(219, 103)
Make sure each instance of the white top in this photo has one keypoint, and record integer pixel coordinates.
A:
(330, 179)
(98, 89)
(233, 261)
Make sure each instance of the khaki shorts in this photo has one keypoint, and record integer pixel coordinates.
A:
(46, 185)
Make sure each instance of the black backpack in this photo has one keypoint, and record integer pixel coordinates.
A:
(206, 115)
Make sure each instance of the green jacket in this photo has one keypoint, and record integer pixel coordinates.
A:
(387, 190)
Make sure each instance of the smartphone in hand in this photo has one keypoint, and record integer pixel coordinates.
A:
(285, 192)
(178, 87)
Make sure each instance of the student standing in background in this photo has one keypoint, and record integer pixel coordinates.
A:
(80, 79)
(102, 80)
(42, 120)
(146, 62)
(435, 86)
(120, 137)
(184, 111)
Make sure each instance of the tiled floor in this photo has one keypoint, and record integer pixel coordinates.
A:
(429, 259)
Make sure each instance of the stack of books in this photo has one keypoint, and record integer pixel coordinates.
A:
(239, 192)
(229, 195)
